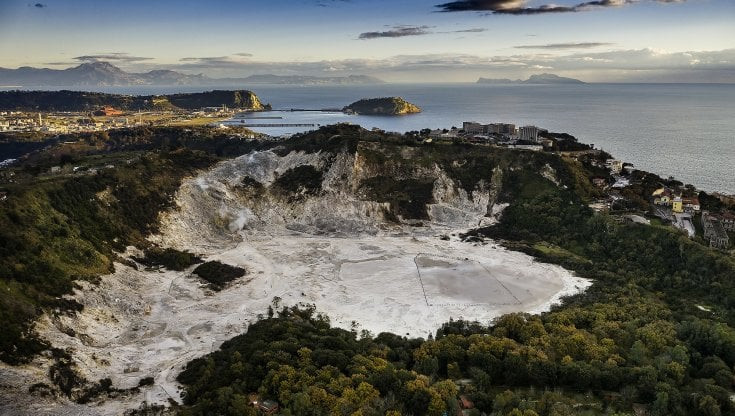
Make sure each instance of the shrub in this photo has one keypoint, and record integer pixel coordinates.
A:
(218, 274)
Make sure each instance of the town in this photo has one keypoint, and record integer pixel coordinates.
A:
(106, 118)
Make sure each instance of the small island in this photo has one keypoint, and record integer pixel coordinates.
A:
(533, 79)
(386, 106)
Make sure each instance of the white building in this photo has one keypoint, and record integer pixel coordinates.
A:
(471, 127)
(501, 128)
(440, 134)
(615, 166)
(528, 133)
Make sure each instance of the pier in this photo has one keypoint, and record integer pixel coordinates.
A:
(322, 110)
(281, 125)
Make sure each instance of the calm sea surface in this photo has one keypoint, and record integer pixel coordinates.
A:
(683, 130)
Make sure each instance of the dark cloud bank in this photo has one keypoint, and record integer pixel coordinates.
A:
(518, 7)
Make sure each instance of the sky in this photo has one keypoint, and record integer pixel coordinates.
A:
(396, 40)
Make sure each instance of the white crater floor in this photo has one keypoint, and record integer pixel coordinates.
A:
(141, 323)
(405, 280)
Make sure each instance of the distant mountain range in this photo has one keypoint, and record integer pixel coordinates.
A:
(309, 80)
(106, 74)
(533, 79)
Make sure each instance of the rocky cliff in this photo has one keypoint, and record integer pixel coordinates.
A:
(346, 186)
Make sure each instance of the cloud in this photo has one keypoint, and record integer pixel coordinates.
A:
(397, 32)
(580, 45)
(60, 63)
(227, 61)
(112, 56)
(39, 5)
(519, 7)
(472, 30)
(401, 31)
(645, 65)
(481, 5)
(215, 59)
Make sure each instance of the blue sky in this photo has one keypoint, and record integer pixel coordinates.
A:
(399, 40)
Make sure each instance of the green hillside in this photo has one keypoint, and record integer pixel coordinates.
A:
(87, 101)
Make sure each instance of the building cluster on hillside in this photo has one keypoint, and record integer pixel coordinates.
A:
(524, 137)
(678, 207)
(19, 121)
(715, 228)
(615, 166)
(471, 127)
(678, 203)
(61, 122)
(502, 131)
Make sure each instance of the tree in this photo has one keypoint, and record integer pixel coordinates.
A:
(708, 406)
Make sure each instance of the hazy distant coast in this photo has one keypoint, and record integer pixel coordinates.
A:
(533, 79)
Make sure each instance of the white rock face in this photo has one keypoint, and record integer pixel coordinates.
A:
(334, 250)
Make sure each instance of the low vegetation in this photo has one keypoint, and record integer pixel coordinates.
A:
(169, 258)
(299, 182)
(407, 197)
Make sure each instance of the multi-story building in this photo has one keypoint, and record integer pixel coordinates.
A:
(714, 231)
(677, 205)
(615, 166)
(728, 221)
(501, 128)
(471, 127)
(690, 204)
(528, 133)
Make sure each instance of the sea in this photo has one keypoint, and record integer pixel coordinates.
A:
(682, 130)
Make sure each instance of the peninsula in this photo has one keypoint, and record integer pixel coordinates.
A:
(85, 101)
